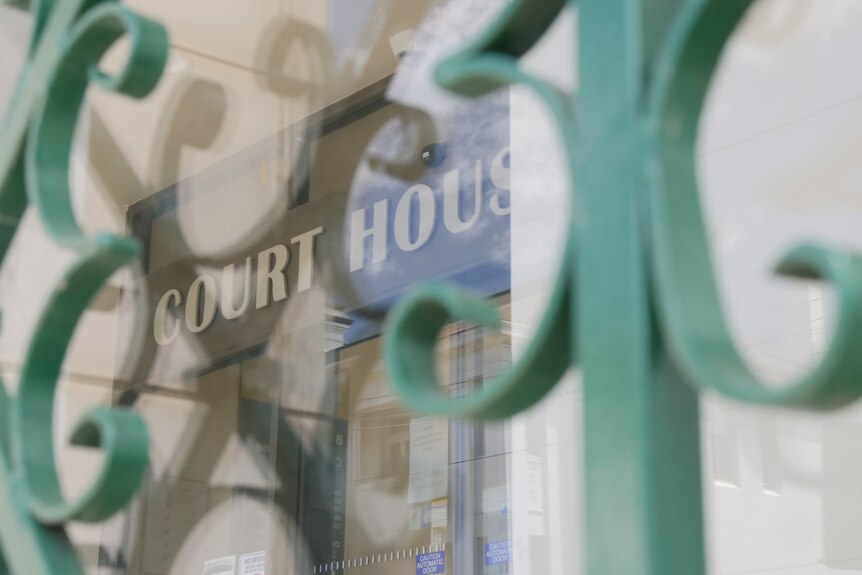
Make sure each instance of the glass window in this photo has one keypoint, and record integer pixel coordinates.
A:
(297, 172)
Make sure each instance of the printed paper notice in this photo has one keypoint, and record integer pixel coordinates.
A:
(221, 566)
(252, 563)
(429, 459)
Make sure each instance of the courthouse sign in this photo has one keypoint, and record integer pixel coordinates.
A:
(446, 227)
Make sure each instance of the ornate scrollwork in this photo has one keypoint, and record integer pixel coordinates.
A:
(641, 295)
(69, 39)
(489, 63)
(695, 329)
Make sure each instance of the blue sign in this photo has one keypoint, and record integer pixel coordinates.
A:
(431, 563)
(406, 215)
(498, 552)
(451, 221)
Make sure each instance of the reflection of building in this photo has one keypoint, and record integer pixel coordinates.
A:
(419, 484)
(288, 443)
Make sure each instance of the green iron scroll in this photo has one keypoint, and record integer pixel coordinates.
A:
(68, 40)
(635, 304)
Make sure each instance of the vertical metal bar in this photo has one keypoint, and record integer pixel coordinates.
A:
(643, 511)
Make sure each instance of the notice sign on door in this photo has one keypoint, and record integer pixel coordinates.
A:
(222, 566)
(431, 563)
(497, 552)
(253, 563)
(429, 459)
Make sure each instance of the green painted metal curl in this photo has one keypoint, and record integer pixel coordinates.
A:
(638, 309)
(489, 63)
(69, 39)
(697, 335)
